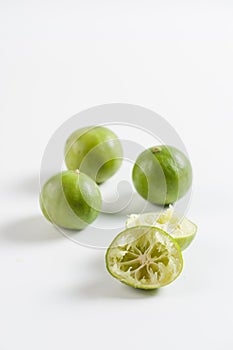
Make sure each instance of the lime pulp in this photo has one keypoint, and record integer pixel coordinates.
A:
(144, 257)
(180, 228)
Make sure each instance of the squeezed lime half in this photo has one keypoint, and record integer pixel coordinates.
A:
(144, 257)
(180, 228)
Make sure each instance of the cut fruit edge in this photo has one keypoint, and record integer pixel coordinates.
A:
(180, 228)
(144, 257)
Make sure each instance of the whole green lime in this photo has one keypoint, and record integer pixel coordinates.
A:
(71, 200)
(95, 151)
(162, 174)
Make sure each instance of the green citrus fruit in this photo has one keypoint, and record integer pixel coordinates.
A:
(162, 174)
(144, 257)
(71, 200)
(95, 151)
(180, 228)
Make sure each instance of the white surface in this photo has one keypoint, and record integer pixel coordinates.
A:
(59, 57)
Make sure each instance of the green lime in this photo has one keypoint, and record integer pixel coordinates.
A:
(144, 257)
(162, 174)
(71, 200)
(180, 228)
(95, 151)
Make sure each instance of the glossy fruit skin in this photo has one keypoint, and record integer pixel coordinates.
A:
(95, 151)
(162, 174)
(71, 200)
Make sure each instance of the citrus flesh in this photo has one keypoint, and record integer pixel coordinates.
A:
(71, 200)
(95, 151)
(144, 257)
(180, 228)
(162, 174)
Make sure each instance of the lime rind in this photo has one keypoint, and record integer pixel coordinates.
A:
(144, 257)
(180, 228)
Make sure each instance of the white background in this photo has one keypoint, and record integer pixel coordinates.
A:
(58, 58)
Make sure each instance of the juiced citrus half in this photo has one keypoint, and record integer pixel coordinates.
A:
(180, 228)
(144, 257)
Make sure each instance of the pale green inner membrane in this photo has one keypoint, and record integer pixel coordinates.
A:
(142, 261)
(150, 260)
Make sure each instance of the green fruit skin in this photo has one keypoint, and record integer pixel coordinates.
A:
(184, 242)
(162, 174)
(71, 200)
(95, 151)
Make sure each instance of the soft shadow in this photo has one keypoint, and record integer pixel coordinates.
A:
(111, 289)
(104, 286)
(129, 203)
(30, 230)
(29, 185)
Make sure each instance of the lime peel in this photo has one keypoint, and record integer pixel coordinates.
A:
(180, 228)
